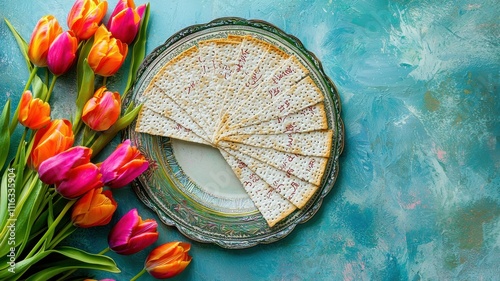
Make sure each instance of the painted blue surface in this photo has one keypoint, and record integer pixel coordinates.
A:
(418, 195)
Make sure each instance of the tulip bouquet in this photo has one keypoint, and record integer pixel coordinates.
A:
(50, 186)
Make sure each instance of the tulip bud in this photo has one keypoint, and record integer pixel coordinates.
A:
(123, 165)
(107, 53)
(62, 53)
(168, 260)
(71, 172)
(102, 110)
(125, 20)
(95, 208)
(85, 17)
(131, 234)
(33, 113)
(45, 32)
(50, 140)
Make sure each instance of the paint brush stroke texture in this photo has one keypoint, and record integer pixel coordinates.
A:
(418, 195)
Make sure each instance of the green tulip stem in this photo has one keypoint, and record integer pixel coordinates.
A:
(138, 275)
(104, 251)
(104, 80)
(51, 88)
(21, 146)
(51, 229)
(26, 87)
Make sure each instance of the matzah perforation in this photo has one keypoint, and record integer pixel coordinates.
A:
(270, 203)
(312, 118)
(156, 124)
(315, 143)
(308, 168)
(280, 82)
(289, 186)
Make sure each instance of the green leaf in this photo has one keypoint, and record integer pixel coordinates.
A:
(22, 266)
(75, 259)
(23, 46)
(4, 134)
(82, 56)
(26, 217)
(4, 189)
(138, 50)
(85, 91)
(38, 88)
(109, 134)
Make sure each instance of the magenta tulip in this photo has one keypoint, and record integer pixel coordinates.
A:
(62, 53)
(123, 165)
(131, 234)
(71, 172)
(125, 20)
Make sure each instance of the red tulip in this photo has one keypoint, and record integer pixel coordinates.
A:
(125, 20)
(131, 234)
(95, 208)
(33, 113)
(45, 32)
(102, 110)
(85, 17)
(107, 53)
(50, 140)
(168, 260)
(62, 53)
(71, 172)
(123, 165)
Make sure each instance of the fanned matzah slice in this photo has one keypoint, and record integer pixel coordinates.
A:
(168, 108)
(295, 98)
(272, 58)
(308, 168)
(289, 186)
(270, 92)
(315, 143)
(218, 59)
(154, 123)
(312, 118)
(270, 203)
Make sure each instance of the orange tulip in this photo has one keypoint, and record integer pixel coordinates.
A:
(50, 140)
(94, 208)
(62, 53)
(85, 17)
(33, 113)
(102, 110)
(45, 32)
(107, 53)
(168, 260)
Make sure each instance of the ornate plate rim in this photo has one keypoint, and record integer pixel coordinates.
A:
(337, 145)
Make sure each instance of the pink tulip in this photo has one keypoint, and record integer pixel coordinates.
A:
(71, 172)
(123, 165)
(85, 17)
(62, 53)
(131, 234)
(125, 20)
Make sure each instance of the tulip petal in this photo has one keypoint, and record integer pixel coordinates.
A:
(55, 168)
(79, 180)
(120, 233)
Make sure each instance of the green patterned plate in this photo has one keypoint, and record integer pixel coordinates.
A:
(190, 186)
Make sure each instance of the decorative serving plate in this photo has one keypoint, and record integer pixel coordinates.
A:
(189, 185)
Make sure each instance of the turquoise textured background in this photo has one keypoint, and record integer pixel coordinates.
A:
(418, 194)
